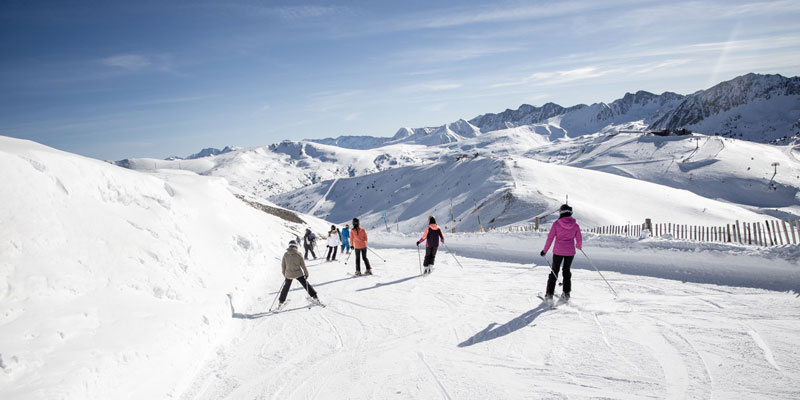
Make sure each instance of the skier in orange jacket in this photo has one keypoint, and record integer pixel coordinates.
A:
(358, 240)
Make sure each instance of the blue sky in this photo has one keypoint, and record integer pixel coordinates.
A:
(144, 78)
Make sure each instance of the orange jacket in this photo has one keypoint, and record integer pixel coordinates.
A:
(358, 238)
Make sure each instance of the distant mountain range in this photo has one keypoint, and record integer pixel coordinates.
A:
(207, 152)
(759, 108)
(517, 164)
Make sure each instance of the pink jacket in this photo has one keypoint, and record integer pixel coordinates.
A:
(564, 230)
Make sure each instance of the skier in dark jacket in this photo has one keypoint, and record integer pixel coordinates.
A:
(308, 243)
(567, 235)
(432, 235)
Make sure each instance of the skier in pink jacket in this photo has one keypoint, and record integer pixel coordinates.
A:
(567, 235)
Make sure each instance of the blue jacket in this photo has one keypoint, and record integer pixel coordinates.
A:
(345, 234)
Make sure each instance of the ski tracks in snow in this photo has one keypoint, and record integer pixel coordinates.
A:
(445, 393)
(322, 199)
(393, 337)
(764, 347)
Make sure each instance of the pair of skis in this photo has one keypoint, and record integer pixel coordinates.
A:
(282, 307)
(553, 302)
(352, 275)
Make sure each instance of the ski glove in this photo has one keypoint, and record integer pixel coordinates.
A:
(417, 243)
(542, 253)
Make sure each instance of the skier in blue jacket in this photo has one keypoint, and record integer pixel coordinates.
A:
(346, 238)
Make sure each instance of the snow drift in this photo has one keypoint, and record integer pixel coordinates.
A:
(111, 278)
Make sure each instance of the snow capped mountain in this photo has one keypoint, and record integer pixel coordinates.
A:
(761, 108)
(429, 136)
(269, 170)
(526, 114)
(448, 133)
(210, 151)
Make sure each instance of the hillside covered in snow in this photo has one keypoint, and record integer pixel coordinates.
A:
(113, 282)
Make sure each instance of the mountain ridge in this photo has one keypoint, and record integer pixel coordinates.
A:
(702, 111)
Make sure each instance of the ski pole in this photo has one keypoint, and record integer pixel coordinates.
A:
(348, 257)
(454, 256)
(598, 271)
(420, 259)
(552, 271)
(376, 254)
(276, 296)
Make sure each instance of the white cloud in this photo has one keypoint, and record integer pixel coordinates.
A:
(429, 87)
(352, 116)
(555, 77)
(127, 61)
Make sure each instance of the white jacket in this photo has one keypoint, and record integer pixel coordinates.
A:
(333, 239)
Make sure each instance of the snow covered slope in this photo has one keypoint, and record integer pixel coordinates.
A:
(481, 333)
(506, 190)
(113, 282)
(736, 171)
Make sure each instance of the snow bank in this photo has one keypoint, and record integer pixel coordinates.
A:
(111, 278)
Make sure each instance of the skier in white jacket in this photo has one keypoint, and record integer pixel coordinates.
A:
(333, 243)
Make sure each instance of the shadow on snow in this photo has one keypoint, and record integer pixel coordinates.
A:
(493, 331)
(379, 285)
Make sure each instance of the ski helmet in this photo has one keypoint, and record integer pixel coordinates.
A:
(431, 220)
(355, 222)
(565, 209)
(292, 243)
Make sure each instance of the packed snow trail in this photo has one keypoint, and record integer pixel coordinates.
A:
(481, 332)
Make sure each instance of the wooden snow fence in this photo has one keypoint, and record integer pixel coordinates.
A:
(774, 232)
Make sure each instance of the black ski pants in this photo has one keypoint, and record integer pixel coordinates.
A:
(331, 249)
(362, 253)
(288, 283)
(430, 255)
(309, 247)
(567, 275)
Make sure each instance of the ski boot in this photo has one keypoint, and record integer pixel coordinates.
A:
(369, 272)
